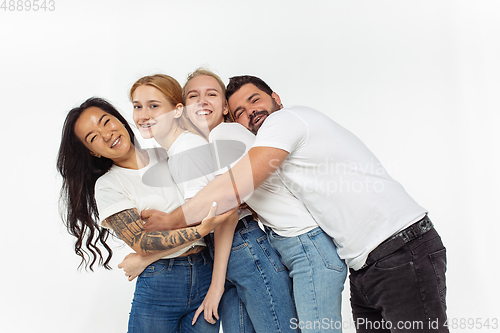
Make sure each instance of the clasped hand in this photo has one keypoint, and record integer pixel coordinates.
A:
(160, 221)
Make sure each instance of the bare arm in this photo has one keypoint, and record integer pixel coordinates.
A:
(128, 227)
(223, 241)
(248, 174)
(239, 182)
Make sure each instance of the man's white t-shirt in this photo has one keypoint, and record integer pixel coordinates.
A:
(151, 187)
(276, 206)
(340, 181)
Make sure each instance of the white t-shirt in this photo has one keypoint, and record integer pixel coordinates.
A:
(150, 187)
(340, 181)
(276, 206)
(191, 163)
(193, 166)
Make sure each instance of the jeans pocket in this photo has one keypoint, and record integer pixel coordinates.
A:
(153, 269)
(400, 259)
(271, 253)
(438, 261)
(326, 249)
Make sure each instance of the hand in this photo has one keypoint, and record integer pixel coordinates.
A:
(210, 305)
(159, 221)
(211, 221)
(133, 265)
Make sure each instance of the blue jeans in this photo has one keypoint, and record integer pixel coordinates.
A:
(404, 291)
(167, 294)
(258, 291)
(318, 276)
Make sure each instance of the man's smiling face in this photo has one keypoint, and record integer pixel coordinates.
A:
(250, 106)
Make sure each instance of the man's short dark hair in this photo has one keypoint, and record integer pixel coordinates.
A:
(236, 82)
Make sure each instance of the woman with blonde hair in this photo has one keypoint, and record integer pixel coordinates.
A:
(256, 297)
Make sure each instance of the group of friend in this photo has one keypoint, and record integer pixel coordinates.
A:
(288, 200)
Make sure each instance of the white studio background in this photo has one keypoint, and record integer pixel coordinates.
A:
(417, 81)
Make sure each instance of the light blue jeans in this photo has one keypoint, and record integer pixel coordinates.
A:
(167, 294)
(318, 276)
(258, 292)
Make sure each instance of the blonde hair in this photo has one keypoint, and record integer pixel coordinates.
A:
(172, 90)
(203, 71)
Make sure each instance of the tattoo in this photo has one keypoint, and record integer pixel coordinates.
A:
(128, 227)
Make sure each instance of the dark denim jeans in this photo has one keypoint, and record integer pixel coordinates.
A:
(404, 291)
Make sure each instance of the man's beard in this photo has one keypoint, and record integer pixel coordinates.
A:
(254, 128)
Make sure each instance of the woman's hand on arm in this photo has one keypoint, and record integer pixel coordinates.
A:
(134, 264)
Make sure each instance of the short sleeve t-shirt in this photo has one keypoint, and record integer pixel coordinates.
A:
(340, 181)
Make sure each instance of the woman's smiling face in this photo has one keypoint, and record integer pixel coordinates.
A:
(103, 134)
(205, 103)
(152, 114)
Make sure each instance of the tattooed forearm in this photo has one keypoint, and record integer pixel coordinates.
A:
(128, 227)
(164, 240)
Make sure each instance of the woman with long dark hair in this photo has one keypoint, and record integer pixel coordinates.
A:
(105, 186)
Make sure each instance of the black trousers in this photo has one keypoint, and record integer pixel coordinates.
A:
(404, 291)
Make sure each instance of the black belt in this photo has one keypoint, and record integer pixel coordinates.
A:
(241, 223)
(396, 241)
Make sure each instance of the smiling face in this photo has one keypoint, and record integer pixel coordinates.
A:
(205, 102)
(250, 106)
(104, 135)
(152, 114)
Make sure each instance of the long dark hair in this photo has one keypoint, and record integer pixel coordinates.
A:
(80, 171)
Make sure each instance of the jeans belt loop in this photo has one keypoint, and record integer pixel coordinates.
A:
(245, 220)
(202, 253)
(171, 263)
